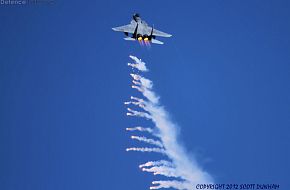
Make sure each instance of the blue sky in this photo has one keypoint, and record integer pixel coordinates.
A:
(223, 76)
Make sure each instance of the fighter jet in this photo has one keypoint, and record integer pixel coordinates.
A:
(140, 31)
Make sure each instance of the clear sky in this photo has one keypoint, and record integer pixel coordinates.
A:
(223, 76)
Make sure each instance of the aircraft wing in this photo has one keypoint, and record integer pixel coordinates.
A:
(130, 28)
(159, 33)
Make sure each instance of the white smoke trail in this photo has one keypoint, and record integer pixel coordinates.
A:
(136, 83)
(159, 150)
(156, 163)
(142, 129)
(185, 169)
(138, 113)
(162, 170)
(135, 76)
(149, 141)
(138, 88)
(141, 105)
(138, 64)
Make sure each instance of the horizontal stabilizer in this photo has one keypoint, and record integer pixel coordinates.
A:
(129, 39)
(156, 42)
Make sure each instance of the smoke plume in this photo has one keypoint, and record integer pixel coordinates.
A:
(182, 171)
